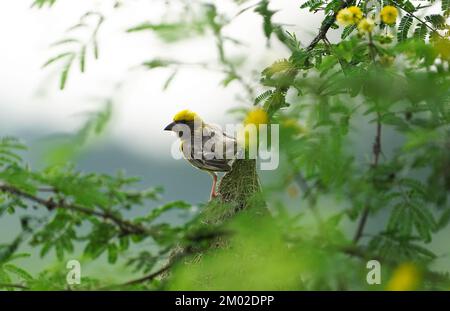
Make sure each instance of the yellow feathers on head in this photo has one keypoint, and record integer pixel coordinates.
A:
(185, 115)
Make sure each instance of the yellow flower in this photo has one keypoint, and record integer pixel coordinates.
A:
(442, 47)
(357, 13)
(345, 17)
(256, 116)
(366, 25)
(405, 278)
(248, 136)
(349, 16)
(389, 14)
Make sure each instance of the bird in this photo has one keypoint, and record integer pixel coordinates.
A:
(190, 129)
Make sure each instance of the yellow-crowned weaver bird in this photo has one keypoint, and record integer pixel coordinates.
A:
(191, 130)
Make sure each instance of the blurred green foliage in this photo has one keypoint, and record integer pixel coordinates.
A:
(393, 81)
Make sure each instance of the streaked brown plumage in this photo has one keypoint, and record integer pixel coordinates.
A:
(211, 137)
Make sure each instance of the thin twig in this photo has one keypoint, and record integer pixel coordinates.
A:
(143, 279)
(174, 259)
(376, 150)
(326, 26)
(229, 67)
(322, 35)
(148, 277)
(312, 198)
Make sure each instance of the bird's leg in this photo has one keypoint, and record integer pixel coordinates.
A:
(213, 188)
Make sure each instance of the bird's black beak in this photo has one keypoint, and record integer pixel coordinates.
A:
(170, 126)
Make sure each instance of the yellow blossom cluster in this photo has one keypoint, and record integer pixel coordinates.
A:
(389, 14)
(366, 25)
(256, 116)
(405, 278)
(248, 136)
(349, 16)
(354, 16)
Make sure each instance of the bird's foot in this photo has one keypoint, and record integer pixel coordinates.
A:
(213, 196)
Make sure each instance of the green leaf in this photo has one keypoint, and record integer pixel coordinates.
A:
(228, 79)
(422, 222)
(347, 31)
(95, 48)
(398, 122)
(155, 213)
(171, 32)
(59, 249)
(18, 271)
(41, 3)
(396, 215)
(277, 67)
(58, 57)
(9, 148)
(422, 250)
(444, 220)
(61, 150)
(45, 249)
(65, 41)
(262, 9)
(445, 6)
(169, 80)
(263, 96)
(124, 243)
(275, 102)
(421, 32)
(65, 74)
(416, 186)
(82, 57)
(4, 277)
(437, 20)
(18, 256)
(403, 27)
(112, 253)
(144, 262)
(312, 5)
(157, 63)
(408, 6)
(425, 215)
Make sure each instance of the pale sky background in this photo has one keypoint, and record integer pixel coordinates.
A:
(30, 98)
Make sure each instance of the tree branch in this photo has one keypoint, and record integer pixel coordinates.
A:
(148, 277)
(51, 203)
(376, 150)
(326, 26)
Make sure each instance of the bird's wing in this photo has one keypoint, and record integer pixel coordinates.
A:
(204, 162)
(218, 138)
(210, 157)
